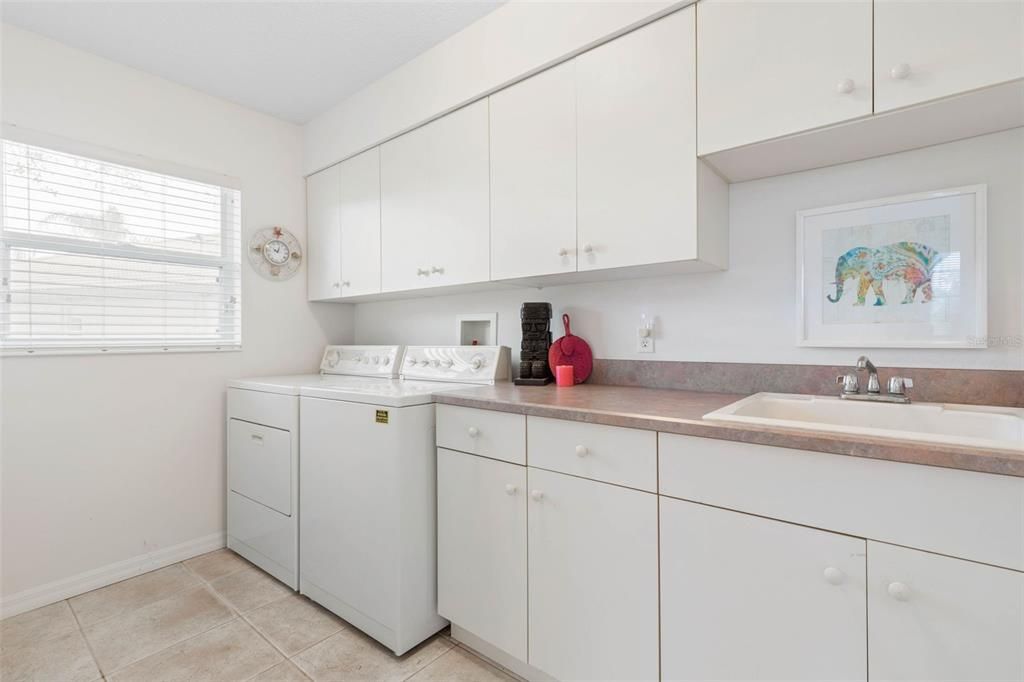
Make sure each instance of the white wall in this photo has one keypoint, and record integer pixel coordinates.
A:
(105, 458)
(748, 314)
(518, 38)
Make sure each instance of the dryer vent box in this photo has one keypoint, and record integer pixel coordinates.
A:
(477, 329)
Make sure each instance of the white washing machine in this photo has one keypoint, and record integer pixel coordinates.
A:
(368, 537)
(263, 453)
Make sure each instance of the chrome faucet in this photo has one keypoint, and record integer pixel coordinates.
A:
(864, 364)
(851, 386)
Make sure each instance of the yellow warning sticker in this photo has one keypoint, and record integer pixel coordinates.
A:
(382, 416)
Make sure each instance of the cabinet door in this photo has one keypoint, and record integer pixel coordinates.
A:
(533, 176)
(359, 216)
(636, 117)
(768, 68)
(936, 618)
(323, 235)
(747, 598)
(930, 49)
(481, 548)
(435, 214)
(593, 555)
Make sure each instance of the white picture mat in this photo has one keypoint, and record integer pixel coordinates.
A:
(956, 317)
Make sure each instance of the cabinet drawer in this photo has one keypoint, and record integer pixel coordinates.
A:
(960, 513)
(604, 453)
(260, 464)
(499, 435)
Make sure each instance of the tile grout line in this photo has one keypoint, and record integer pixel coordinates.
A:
(446, 652)
(431, 662)
(117, 615)
(207, 587)
(493, 664)
(239, 615)
(88, 644)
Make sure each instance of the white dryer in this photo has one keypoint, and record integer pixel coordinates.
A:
(263, 453)
(368, 473)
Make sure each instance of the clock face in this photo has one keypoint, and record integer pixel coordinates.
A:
(275, 253)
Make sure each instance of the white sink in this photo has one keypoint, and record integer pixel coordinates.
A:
(993, 427)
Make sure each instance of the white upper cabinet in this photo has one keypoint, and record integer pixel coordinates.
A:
(435, 203)
(359, 217)
(925, 50)
(931, 617)
(323, 235)
(533, 176)
(769, 68)
(748, 598)
(637, 165)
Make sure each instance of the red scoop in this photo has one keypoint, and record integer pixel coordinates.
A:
(571, 350)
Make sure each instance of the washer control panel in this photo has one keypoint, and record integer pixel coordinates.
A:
(380, 361)
(457, 364)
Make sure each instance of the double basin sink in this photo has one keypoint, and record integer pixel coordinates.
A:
(967, 425)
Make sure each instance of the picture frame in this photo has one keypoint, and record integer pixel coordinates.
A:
(906, 271)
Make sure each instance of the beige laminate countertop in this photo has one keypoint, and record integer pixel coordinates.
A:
(681, 412)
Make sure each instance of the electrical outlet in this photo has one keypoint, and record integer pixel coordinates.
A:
(644, 340)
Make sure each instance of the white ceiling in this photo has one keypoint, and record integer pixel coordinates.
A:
(292, 60)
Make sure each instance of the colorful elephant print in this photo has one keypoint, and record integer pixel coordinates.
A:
(910, 262)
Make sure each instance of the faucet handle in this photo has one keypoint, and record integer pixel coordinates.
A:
(898, 385)
(849, 383)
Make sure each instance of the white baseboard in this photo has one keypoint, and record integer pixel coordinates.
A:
(52, 592)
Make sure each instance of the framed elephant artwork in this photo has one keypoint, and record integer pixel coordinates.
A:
(901, 272)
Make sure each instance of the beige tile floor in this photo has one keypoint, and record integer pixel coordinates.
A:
(215, 617)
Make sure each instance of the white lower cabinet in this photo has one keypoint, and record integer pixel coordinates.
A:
(573, 578)
(936, 618)
(747, 598)
(593, 555)
(481, 548)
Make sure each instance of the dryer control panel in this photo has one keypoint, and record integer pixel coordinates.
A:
(379, 361)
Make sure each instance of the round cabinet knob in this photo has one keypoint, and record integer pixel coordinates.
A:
(588, 249)
(473, 431)
(536, 494)
(834, 576)
(510, 489)
(435, 269)
(582, 451)
(376, 359)
(900, 72)
(449, 362)
(336, 285)
(345, 283)
(476, 363)
(899, 591)
(845, 86)
(420, 272)
(563, 252)
(387, 360)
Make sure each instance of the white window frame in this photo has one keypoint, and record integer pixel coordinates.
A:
(229, 259)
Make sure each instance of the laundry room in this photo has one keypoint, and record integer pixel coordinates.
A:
(512, 339)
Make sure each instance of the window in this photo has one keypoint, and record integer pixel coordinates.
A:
(96, 256)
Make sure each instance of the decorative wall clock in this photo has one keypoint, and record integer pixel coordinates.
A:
(275, 253)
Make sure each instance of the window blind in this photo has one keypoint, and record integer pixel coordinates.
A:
(96, 256)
